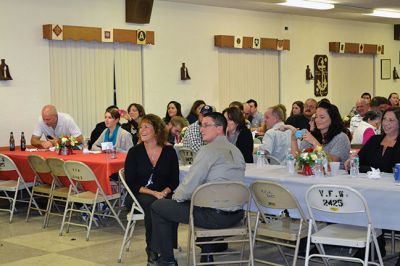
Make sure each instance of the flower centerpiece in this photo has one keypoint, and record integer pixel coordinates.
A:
(307, 158)
(65, 144)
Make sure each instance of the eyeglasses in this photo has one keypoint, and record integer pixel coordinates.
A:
(208, 125)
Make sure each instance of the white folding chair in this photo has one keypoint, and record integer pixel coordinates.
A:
(280, 231)
(135, 214)
(79, 172)
(341, 200)
(11, 181)
(272, 160)
(186, 155)
(221, 195)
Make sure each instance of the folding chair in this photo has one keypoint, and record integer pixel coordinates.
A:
(272, 160)
(60, 192)
(80, 173)
(221, 195)
(334, 199)
(11, 180)
(280, 231)
(42, 185)
(135, 214)
(186, 155)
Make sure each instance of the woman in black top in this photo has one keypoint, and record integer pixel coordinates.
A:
(193, 115)
(134, 113)
(151, 170)
(382, 151)
(238, 134)
(173, 109)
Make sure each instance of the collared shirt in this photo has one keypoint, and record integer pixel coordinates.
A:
(218, 161)
(277, 142)
(193, 139)
(66, 126)
(257, 120)
(354, 122)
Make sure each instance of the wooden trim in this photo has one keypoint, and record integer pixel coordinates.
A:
(356, 48)
(227, 41)
(79, 33)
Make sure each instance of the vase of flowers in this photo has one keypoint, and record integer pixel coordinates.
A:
(65, 144)
(307, 158)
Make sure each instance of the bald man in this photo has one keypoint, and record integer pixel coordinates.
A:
(52, 125)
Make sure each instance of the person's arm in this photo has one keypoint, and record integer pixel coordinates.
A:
(174, 171)
(37, 142)
(245, 145)
(368, 133)
(96, 146)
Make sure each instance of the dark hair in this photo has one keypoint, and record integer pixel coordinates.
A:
(109, 108)
(236, 104)
(196, 104)
(236, 116)
(366, 94)
(300, 104)
(324, 100)
(177, 105)
(371, 115)
(139, 107)
(114, 112)
(219, 119)
(396, 111)
(252, 101)
(335, 127)
(390, 96)
(378, 100)
(158, 126)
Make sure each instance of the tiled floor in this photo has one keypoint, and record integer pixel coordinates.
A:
(23, 243)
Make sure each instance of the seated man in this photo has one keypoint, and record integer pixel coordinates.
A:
(193, 139)
(174, 128)
(217, 161)
(276, 142)
(53, 125)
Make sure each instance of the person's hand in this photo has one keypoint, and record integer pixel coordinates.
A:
(124, 114)
(347, 164)
(307, 136)
(47, 144)
(159, 195)
(288, 127)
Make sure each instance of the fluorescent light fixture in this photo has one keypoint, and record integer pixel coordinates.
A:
(384, 13)
(308, 4)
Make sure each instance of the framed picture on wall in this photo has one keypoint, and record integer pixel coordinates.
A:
(385, 69)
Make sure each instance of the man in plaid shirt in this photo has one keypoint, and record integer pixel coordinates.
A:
(193, 139)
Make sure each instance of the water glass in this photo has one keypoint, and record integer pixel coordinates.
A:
(85, 146)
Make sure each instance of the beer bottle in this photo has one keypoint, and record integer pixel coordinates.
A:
(23, 142)
(12, 142)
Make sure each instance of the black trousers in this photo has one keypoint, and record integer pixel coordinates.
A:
(166, 215)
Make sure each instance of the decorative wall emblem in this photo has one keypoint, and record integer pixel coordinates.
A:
(320, 75)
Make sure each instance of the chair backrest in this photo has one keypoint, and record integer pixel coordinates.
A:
(8, 169)
(186, 155)
(79, 171)
(336, 199)
(256, 141)
(135, 206)
(40, 168)
(56, 166)
(221, 195)
(272, 160)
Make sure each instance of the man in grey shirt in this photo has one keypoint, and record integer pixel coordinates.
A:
(218, 161)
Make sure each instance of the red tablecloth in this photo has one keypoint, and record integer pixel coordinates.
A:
(101, 164)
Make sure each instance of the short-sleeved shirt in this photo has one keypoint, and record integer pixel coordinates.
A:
(66, 126)
(257, 120)
(277, 142)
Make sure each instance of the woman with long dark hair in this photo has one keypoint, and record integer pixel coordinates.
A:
(173, 109)
(134, 114)
(193, 115)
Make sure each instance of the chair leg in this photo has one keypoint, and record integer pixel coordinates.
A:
(90, 222)
(130, 235)
(115, 215)
(29, 206)
(64, 216)
(13, 201)
(48, 210)
(282, 254)
(126, 239)
(188, 246)
(70, 216)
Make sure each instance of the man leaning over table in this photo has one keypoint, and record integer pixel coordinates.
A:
(218, 161)
(52, 125)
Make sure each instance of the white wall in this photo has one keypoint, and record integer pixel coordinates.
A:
(183, 33)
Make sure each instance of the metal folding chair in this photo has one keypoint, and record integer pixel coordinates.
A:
(220, 196)
(340, 200)
(136, 213)
(279, 231)
(11, 181)
(79, 172)
(272, 160)
(186, 155)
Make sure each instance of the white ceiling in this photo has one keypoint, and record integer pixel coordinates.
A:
(344, 9)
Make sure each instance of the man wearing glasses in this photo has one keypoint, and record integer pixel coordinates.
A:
(218, 161)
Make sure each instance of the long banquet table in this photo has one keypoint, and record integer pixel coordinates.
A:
(100, 163)
(382, 195)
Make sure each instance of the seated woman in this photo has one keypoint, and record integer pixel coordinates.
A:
(329, 134)
(134, 113)
(193, 115)
(367, 128)
(382, 151)
(120, 138)
(238, 134)
(173, 109)
(151, 171)
(99, 128)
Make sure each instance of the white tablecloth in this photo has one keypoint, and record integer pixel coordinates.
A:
(382, 195)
